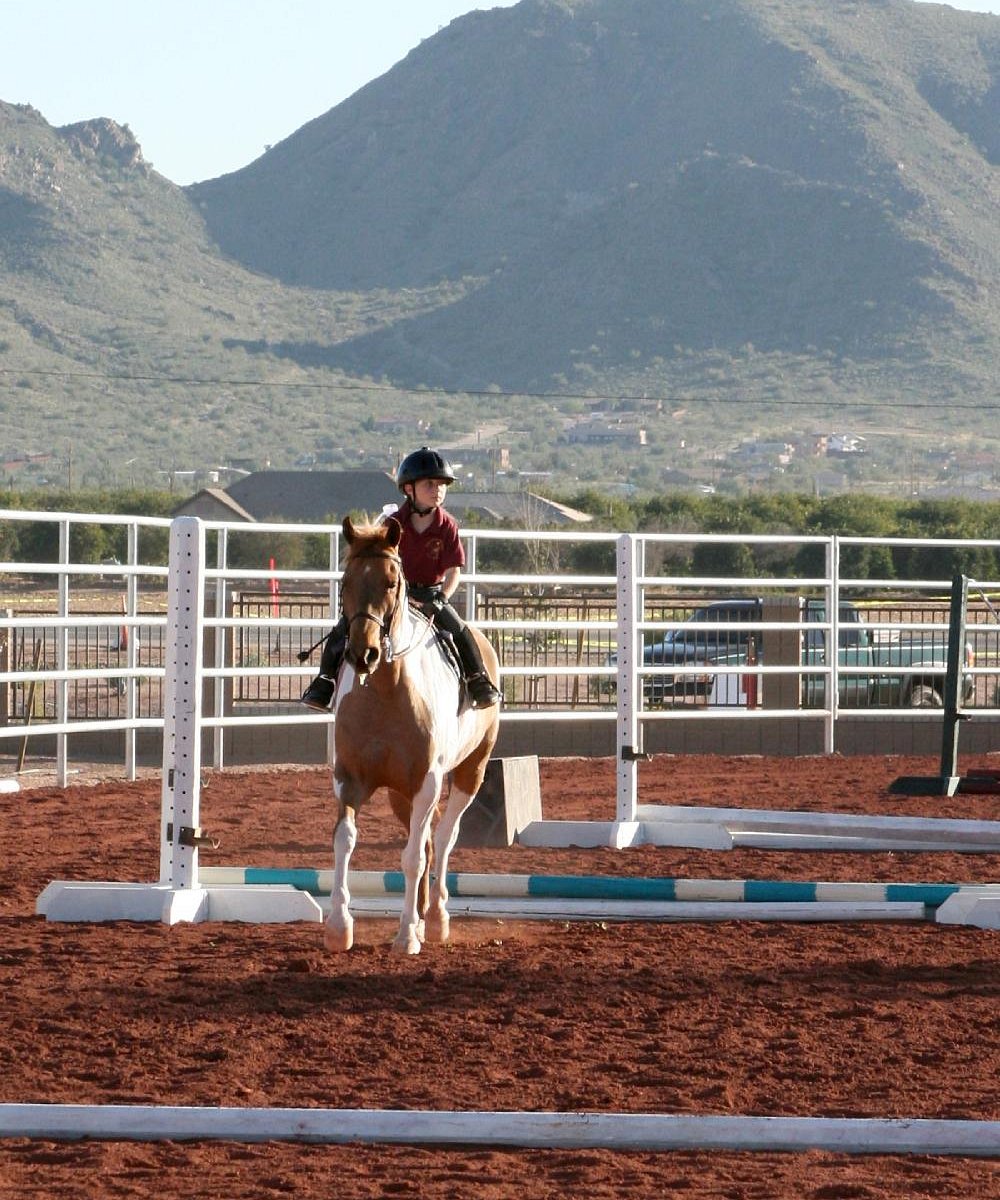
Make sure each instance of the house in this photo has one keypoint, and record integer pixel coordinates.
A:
(310, 497)
(774, 455)
(213, 504)
(600, 429)
(315, 497)
(839, 445)
(523, 510)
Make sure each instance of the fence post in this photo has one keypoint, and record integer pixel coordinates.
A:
(6, 658)
(471, 567)
(833, 616)
(132, 650)
(183, 686)
(629, 687)
(953, 679)
(221, 651)
(62, 656)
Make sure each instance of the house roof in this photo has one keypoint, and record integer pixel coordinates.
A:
(313, 496)
(521, 508)
(319, 496)
(214, 504)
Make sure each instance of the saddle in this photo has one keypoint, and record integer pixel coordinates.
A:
(445, 641)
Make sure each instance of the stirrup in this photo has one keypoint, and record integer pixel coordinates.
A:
(319, 694)
(482, 692)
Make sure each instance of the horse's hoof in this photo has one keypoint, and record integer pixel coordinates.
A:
(406, 944)
(338, 940)
(438, 926)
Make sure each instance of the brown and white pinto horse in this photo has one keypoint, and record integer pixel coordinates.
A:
(401, 724)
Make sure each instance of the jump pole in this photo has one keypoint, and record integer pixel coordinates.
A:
(317, 882)
(527, 1130)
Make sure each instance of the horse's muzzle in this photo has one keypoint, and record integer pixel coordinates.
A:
(366, 662)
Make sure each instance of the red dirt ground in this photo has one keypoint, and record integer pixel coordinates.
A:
(879, 1020)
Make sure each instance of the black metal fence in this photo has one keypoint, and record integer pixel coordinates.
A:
(562, 653)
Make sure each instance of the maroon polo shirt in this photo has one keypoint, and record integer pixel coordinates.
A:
(427, 556)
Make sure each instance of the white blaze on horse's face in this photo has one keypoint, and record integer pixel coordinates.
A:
(372, 589)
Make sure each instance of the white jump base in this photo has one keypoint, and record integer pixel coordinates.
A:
(72, 900)
(528, 1130)
(705, 828)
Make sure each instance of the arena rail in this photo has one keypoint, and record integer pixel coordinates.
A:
(180, 895)
(619, 716)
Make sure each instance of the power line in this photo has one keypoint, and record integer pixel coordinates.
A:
(488, 393)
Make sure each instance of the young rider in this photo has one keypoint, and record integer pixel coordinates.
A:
(433, 556)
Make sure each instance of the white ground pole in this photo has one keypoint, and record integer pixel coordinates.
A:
(540, 1130)
(177, 896)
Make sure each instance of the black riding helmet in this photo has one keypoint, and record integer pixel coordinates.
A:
(424, 464)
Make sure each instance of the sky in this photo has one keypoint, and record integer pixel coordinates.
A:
(207, 85)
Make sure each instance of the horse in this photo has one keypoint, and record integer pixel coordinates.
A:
(401, 722)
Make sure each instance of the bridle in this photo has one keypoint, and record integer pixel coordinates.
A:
(385, 625)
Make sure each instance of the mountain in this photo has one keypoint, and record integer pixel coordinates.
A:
(725, 219)
(631, 180)
(123, 329)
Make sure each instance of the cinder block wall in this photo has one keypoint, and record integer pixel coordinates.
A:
(786, 737)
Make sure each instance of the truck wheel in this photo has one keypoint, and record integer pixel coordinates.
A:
(922, 695)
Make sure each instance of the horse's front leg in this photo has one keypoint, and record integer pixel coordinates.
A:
(415, 865)
(438, 923)
(340, 924)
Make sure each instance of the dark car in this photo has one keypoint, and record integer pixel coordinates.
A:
(699, 642)
(905, 670)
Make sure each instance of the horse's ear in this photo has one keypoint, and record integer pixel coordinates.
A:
(348, 528)
(393, 532)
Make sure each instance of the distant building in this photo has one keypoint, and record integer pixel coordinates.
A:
(213, 504)
(839, 445)
(522, 509)
(310, 497)
(600, 429)
(766, 454)
(317, 497)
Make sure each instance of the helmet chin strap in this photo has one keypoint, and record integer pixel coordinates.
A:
(411, 495)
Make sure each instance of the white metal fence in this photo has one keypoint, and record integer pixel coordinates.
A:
(590, 627)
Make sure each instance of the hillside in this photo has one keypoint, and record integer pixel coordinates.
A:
(633, 180)
(722, 220)
(123, 329)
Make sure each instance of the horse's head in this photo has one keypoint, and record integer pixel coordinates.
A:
(372, 590)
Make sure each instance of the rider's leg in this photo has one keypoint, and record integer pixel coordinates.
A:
(482, 691)
(319, 694)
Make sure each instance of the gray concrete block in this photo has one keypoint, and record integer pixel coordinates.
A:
(509, 799)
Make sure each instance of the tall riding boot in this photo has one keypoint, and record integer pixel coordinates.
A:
(482, 692)
(319, 694)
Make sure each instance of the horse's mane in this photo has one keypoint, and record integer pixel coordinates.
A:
(370, 536)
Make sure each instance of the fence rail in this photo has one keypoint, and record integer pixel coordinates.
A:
(82, 644)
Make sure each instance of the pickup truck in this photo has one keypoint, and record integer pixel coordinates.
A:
(920, 685)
